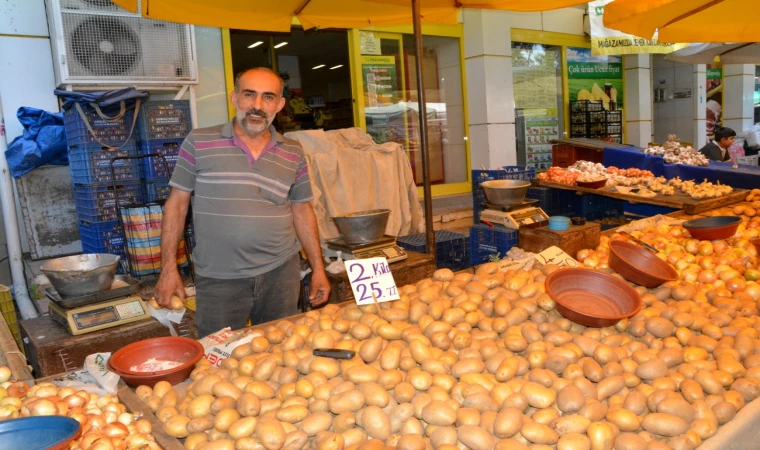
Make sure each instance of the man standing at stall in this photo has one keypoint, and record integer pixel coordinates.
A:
(250, 210)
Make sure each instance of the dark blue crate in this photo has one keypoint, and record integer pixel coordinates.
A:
(155, 166)
(110, 132)
(101, 234)
(104, 195)
(487, 242)
(156, 189)
(643, 209)
(451, 249)
(164, 119)
(597, 206)
(92, 164)
(508, 173)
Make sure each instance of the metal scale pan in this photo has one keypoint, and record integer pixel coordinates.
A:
(75, 302)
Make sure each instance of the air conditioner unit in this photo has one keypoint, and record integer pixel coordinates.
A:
(97, 42)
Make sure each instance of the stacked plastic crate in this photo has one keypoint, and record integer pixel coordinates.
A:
(99, 180)
(452, 249)
(162, 126)
(492, 241)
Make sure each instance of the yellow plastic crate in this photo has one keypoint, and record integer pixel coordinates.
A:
(9, 314)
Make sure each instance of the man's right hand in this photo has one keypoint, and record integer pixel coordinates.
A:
(169, 284)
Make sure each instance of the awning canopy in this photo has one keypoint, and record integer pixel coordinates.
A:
(686, 20)
(746, 53)
(277, 15)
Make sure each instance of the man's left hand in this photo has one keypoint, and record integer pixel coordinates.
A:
(319, 290)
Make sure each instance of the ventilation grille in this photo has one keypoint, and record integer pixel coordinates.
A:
(103, 6)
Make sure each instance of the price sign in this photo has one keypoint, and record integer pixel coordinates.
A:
(555, 255)
(371, 276)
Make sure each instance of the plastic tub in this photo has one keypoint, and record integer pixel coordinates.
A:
(639, 266)
(592, 298)
(559, 223)
(178, 349)
(712, 228)
(39, 433)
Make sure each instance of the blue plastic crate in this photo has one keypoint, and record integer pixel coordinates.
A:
(92, 164)
(554, 202)
(593, 206)
(507, 173)
(486, 242)
(101, 235)
(164, 119)
(104, 195)
(109, 132)
(156, 189)
(155, 166)
(643, 209)
(451, 249)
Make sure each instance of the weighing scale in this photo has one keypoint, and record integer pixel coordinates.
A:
(521, 215)
(100, 310)
(385, 247)
(98, 316)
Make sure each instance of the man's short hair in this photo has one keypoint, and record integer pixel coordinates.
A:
(723, 133)
(260, 69)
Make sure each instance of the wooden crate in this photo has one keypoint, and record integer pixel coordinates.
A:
(11, 356)
(571, 241)
(52, 350)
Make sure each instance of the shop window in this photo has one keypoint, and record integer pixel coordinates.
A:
(757, 94)
(389, 80)
(537, 83)
(316, 70)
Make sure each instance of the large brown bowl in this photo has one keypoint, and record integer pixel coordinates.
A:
(592, 184)
(178, 349)
(640, 266)
(592, 298)
(756, 243)
(713, 228)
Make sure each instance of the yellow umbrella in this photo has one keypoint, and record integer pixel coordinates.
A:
(686, 20)
(277, 15)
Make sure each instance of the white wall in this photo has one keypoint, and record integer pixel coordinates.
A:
(674, 115)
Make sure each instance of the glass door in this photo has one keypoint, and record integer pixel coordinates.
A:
(537, 80)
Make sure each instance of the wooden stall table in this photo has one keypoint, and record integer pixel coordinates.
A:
(52, 350)
(409, 271)
(678, 201)
(11, 356)
(571, 241)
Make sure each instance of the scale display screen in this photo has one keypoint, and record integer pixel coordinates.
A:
(94, 318)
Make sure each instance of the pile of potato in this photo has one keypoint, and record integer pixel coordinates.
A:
(106, 423)
(482, 362)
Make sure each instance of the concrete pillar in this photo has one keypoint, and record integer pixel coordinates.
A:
(638, 99)
(700, 104)
(488, 62)
(738, 96)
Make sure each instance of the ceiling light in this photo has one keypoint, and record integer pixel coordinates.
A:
(255, 44)
(318, 67)
(281, 44)
(335, 67)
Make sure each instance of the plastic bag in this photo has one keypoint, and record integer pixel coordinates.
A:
(42, 142)
(96, 366)
(219, 346)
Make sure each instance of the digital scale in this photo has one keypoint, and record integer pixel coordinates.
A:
(385, 247)
(522, 215)
(99, 316)
(98, 311)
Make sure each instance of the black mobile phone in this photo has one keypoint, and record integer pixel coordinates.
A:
(334, 353)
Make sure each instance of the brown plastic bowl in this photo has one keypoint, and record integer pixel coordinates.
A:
(640, 266)
(179, 349)
(592, 298)
(713, 228)
(592, 184)
(756, 243)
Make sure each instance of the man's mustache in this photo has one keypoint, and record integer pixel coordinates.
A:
(256, 113)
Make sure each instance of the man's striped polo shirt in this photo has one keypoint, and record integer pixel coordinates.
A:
(241, 207)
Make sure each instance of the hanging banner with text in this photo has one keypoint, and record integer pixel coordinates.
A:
(606, 41)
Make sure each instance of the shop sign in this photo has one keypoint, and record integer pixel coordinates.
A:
(595, 78)
(379, 76)
(369, 43)
(606, 41)
(371, 280)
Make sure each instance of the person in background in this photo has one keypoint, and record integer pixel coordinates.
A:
(250, 210)
(717, 150)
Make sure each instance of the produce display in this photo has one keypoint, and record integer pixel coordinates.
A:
(674, 153)
(106, 423)
(483, 361)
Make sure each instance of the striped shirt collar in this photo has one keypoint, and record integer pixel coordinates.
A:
(228, 132)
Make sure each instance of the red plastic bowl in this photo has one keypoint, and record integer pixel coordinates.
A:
(640, 266)
(178, 349)
(713, 228)
(592, 298)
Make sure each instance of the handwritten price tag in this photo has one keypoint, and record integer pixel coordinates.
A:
(371, 276)
(555, 255)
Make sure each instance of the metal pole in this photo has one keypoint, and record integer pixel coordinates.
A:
(12, 236)
(429, 233)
